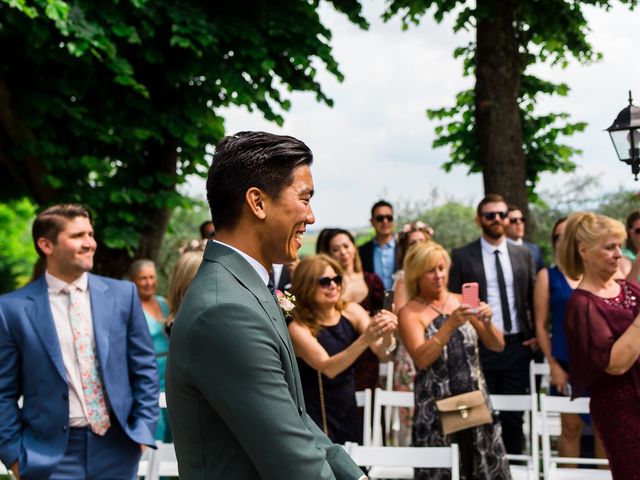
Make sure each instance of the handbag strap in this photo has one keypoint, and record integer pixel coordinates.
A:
(322, 406)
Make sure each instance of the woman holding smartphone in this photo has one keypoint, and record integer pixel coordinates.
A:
(441, 334)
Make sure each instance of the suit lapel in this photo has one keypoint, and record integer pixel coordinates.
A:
(478, 269)
(42, 320)
(101, 311)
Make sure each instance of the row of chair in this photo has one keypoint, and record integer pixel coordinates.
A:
(542, 421)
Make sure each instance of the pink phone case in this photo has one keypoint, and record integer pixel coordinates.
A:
(470, 294)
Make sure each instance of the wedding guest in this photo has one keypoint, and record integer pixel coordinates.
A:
(143, 273)
(442, 336)
(515, 234)
(603, 335)
(379, 254)
(551, 293)
(183, 272)
(404, 370)
(328, 335)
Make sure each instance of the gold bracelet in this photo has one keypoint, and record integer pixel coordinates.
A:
(437, 340)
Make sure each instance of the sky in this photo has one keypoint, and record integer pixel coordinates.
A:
(376, 140)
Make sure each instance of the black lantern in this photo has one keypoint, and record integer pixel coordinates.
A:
(625, 135)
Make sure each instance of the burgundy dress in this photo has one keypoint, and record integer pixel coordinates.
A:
(592, 325)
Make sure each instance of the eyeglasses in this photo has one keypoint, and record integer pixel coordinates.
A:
(515, 220)
(325, 282)
(492, 215)
(382, 218)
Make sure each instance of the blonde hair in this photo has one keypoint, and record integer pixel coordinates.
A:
(588, 228)
(422, 257)
(183, 272)
(304, 285)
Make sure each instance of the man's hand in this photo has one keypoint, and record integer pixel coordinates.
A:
(532, 343)
(15, 470)
(142, 448)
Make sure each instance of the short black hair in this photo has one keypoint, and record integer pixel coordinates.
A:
(50, 222)
(380, 203)
(203, 228)
(251, 159)
(489, 198)
(512, 208)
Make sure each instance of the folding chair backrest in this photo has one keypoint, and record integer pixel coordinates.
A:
(550, 462)
(387, 398)
(385, 369)
(363, 399)
(412, 457)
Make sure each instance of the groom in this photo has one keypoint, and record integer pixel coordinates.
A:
(233, 387)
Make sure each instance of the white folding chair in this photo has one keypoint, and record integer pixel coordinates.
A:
(385, 369)
(143, 465)
(551, 463)
(527, 404)
(363, 399)
(162, 461)
(397, 460)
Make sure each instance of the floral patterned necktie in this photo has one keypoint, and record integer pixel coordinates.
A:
(85, 353)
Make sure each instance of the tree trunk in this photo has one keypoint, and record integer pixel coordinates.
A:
(115, 262)
(498, 125)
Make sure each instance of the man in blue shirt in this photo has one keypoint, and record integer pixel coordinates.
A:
(379, 254)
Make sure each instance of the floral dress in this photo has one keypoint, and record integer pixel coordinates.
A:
(482, 452)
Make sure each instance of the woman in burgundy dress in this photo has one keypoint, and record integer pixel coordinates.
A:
(603, 334)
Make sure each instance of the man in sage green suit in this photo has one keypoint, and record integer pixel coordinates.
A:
(233, 388)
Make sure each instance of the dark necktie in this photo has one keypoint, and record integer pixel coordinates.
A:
(271, 289)
(272, 282)
(504, 301)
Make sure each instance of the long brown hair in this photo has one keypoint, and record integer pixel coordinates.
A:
(305, 284)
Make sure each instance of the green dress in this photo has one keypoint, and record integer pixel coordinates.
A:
(161, 347)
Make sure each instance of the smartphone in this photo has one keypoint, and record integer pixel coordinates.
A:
(470, 294)
(387, 300)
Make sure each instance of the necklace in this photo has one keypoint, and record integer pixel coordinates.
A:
(438, 310)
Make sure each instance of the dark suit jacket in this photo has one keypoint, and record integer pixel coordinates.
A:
(537, 255)
(31, 366)
(233, 389)
(366, 255)
(284, 282)
(467, 266)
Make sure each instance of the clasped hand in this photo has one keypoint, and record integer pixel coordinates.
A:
(382, 323)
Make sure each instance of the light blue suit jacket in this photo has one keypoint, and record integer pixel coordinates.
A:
(31, 366)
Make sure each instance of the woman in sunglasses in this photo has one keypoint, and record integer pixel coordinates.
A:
(328, 336)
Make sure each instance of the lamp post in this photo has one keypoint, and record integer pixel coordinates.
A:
(625, 135)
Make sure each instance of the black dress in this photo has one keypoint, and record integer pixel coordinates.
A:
(339, 392)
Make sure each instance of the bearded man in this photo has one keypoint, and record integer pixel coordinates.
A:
(506, 275)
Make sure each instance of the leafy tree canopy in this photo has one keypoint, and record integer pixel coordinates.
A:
(113, 106)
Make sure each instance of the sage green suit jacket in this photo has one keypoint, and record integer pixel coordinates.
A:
(233, 388)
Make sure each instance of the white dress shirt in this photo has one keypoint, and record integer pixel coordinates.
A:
(59, 302)
(493, 290)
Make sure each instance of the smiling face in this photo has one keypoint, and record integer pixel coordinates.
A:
(72, 252)
(329, 295)
(146, 281)
(287, 218)
(602, 259)
(343, 250)
(491, 221)
(434, 281)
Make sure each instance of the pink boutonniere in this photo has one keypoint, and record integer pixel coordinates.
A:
(286, 300)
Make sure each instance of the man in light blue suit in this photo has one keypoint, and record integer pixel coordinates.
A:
(76, 348)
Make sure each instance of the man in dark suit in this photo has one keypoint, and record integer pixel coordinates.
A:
(515, 234)
(506, 275)
(76, 348)
(233, 389)
(378, 255)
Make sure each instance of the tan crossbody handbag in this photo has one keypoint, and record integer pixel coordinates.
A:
(466, 410)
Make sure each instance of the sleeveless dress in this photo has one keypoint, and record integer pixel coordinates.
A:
(482, 452)
(559, 293)
(161, 347)
(593, 324)
(339, 393)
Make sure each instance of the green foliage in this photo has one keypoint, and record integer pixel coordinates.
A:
(114, 106)
(548, 31)
(18, 255)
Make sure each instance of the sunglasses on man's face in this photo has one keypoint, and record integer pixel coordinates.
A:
(325, 282)
(515, 220)
(492, 215)
(382, 218)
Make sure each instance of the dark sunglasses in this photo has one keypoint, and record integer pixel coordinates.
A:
(326, 281)
(636, 231)
(492, 215)
(515, 220)
(382, 218)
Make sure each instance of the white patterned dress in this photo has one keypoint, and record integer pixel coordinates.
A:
(482, 452)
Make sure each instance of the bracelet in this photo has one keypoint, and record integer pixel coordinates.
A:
(391, 347)
(437, 340)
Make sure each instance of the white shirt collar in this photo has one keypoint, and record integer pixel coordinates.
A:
(517, 241)
(56, 285)
(489, 248)
(257, 266)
